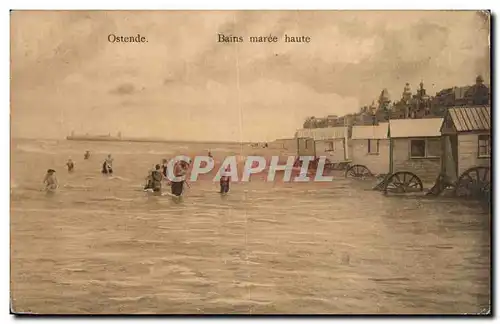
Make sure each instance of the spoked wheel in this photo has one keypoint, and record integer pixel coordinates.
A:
(474, 182)
(347, 165)
(357, 171)
(402, 182)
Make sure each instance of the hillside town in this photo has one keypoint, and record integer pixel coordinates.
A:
(409, 105)
(438, 142)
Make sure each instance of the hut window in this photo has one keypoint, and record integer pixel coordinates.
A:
(417, 148)
(330, 146)
(484, 145)
(373, 146)
(425, 148)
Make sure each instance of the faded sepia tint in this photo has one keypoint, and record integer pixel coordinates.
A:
(397, 103)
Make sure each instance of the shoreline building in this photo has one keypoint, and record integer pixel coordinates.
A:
(409, 106)
(466, 139)
(475, 95)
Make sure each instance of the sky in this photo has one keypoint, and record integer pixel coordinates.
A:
(184, 85)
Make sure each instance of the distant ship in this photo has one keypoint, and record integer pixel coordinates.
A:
(110, 138)
(119, 138)
(88, 137)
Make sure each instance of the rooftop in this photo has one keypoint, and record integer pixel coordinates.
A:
(370, 131)
(425, 127)
(319, 134)
(470, 118)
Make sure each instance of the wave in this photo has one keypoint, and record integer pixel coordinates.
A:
(16, 188)
(154, 152)
(118, 178)
(41, 149)
(52, 150)
(219, 149)
(112, 198)
(82, 187)
(101, 149)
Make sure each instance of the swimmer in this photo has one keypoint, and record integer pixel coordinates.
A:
(70, 165)
(50, 180)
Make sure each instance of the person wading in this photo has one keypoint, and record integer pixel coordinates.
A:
(70, 165)
(225, 180)
(154, 179)
(107, 166)
(50, 180)
(164, 167)
(180, 170)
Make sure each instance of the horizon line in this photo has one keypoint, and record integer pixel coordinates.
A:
(142, 139)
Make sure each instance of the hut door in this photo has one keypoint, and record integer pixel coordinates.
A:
(450, 161)
(344, 147)
(454, 151)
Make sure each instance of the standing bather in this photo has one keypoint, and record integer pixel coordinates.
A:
(225, 180)
(180, 170)
(70, 165)
(107, 166)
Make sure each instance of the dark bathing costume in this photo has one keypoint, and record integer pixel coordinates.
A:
(156, 181)
(106, 169)
(224, 184)
(177, 186)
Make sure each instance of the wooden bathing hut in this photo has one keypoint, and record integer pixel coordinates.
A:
(414, 154)
(416, 147)
(284, 144)
(331, 142)
(305, 142)
(370, 150)
(466, 157)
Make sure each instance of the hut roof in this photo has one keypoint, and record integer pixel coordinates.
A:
(425, 127)
(370, 131)
(470, 118)
(319, 134)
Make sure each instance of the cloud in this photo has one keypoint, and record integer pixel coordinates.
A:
(123, 89)
(196, 87)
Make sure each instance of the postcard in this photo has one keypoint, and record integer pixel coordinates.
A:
(250, 162)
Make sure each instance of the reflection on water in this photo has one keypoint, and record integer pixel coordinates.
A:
(100, 245)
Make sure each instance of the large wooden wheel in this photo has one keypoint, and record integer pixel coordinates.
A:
(474, 182)
(343, 165)
(402, 182)
(357, 171)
